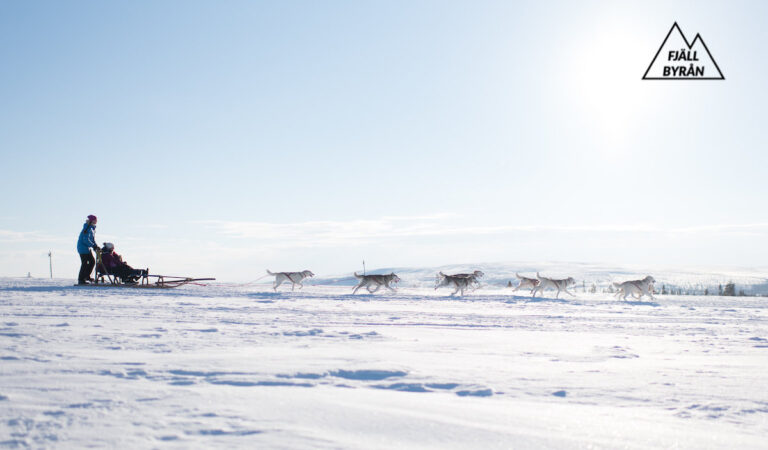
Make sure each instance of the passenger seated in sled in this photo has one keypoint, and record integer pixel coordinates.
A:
(114, 265)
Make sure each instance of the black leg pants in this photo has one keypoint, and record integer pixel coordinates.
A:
(86, 267)
(126, 272)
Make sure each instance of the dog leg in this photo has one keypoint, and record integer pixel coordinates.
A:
(356, 288)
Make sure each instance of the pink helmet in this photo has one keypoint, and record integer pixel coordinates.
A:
(92, 218)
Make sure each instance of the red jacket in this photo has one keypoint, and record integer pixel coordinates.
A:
(111, 260)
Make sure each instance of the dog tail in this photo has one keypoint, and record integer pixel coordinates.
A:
(270, 273)
(357, 276)
(518, 276)
(538, 276)
(615, 284)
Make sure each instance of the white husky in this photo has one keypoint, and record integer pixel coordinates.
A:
(367, 281)
(632, 287)
(550, 283)
(460, 281)
(525, 282)
(474, 277)
(476, 274)
(294, 277)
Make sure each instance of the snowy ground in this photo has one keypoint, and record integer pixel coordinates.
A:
(240, 366)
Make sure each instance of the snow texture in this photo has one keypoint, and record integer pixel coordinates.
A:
(241, 366)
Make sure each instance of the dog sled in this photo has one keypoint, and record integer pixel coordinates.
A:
(138, 278)
(145, 281)
(150, 281)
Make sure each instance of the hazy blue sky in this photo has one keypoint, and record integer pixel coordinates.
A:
(223, 138)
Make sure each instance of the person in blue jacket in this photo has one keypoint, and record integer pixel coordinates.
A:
(85, 242)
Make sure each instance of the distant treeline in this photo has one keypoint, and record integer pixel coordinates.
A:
(728, 289)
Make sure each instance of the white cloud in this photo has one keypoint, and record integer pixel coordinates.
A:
(329, 233)
(240, 249)
(10, 236)
(338, 233)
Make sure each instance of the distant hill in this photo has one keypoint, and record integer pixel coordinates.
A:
(752, 281)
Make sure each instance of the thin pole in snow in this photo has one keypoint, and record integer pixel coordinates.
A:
(363, 267)
(50, 263)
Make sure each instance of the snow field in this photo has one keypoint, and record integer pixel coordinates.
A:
(241, 366)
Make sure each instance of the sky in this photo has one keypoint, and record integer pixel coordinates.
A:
(226, 138)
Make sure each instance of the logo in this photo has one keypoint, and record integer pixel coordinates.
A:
(679, 60)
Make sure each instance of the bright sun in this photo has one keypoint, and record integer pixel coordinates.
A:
(605, 84)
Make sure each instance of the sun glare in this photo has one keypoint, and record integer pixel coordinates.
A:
(605, 84)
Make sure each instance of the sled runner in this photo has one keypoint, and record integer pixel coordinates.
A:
(147, 281)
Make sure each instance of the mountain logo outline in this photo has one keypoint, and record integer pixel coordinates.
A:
(683, 72)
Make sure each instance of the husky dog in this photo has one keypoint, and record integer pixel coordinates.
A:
(632, 287)
(294, 277)
(476, 274)
(460, 281)
(474, 277)
(525, 282)
(549, 283)
(378, 281)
